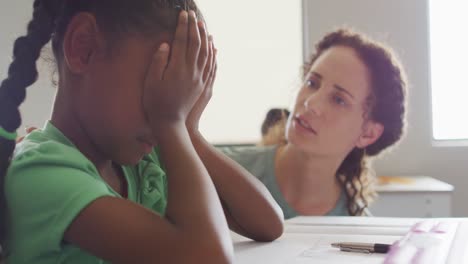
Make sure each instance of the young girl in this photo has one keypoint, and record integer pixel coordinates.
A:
(351, 107)
(90, 187)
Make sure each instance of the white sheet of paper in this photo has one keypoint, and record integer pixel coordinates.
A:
(308, 240)
(307, 248)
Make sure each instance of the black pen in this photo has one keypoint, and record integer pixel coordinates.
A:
(362, 247)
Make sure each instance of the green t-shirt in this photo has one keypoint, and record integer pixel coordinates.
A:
(50, 181)
(260, 161)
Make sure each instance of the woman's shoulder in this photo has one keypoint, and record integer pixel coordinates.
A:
(249, 155)
(258, 160)
(250, 150)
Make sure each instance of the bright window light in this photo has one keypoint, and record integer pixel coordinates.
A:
(449, 71)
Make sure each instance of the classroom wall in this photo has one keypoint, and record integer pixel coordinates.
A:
(402, 24)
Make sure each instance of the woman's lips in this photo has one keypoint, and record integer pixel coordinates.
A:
(303, 123)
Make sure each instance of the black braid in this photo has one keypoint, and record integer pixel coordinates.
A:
(21, 74)
(22, 71)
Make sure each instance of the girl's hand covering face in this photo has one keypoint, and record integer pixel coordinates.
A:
(174, 83)
(208, 76)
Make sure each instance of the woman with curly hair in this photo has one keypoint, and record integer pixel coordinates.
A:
(350, 108)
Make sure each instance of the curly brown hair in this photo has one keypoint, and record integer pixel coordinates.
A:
(385, 104)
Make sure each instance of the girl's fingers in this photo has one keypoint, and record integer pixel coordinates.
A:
(179, 45)
(212, 76)
(204, 48)
(160, 61)
(154, 77)
(210, 60)
(158, 64)
(194, 41)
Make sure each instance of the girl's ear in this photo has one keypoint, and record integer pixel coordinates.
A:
(82, 40)
(371, 133)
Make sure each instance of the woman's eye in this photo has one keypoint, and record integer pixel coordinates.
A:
(338, 100)
(312, 84)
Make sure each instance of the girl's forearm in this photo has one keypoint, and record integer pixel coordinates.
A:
(249, 207)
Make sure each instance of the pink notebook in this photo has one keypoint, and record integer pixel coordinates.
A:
(431, 241)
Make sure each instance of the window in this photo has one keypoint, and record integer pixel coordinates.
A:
(449, 72)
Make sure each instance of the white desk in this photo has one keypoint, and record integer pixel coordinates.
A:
(415, 196)
(308, 239)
